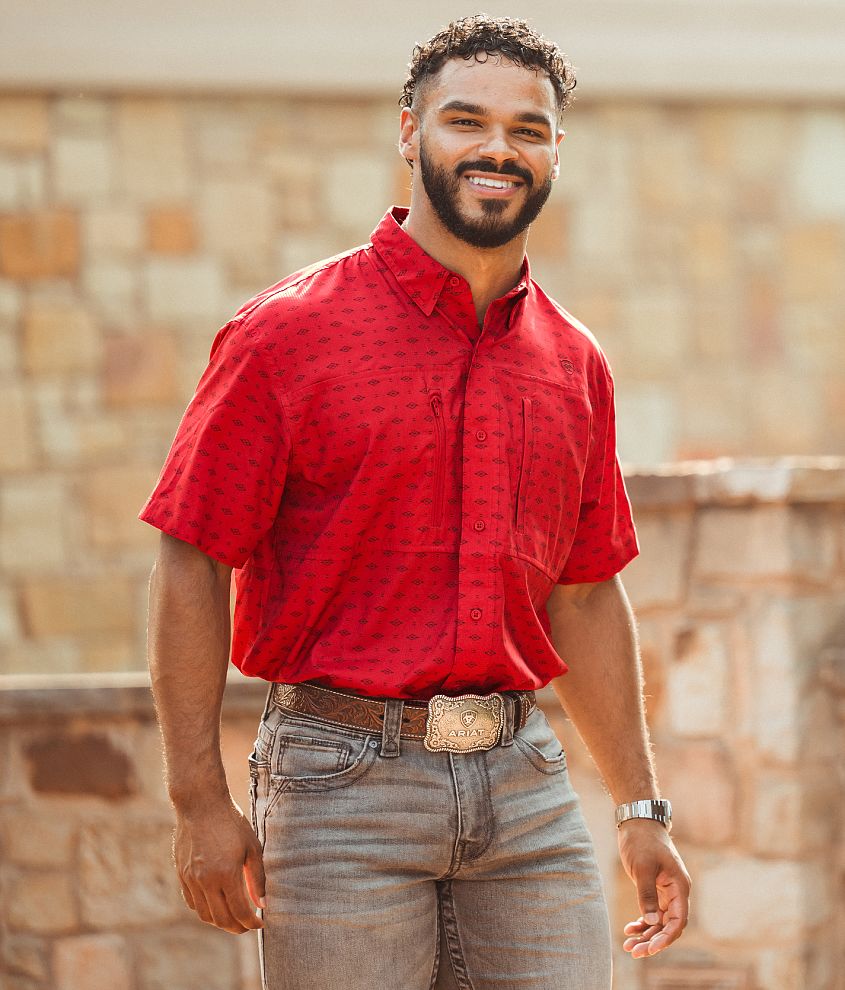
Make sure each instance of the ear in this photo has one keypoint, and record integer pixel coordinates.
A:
(561, 134)
(409, 135)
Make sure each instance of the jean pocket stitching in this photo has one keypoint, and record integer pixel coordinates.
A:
(333, 781)
(539, 760)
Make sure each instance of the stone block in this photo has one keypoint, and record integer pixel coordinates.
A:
(171, 230)
(818, 175)
(110, 231)
(776, 827)
(710, 253)
(782, 968)
(83, 171)
(712, 414)
(153, 149)
(141, 370)
(355, 183)
(698, 683)
(114, 290)
(39, 245)
(55, 656)
(83, 114)
(646, 423)
(113, 497)
(24, 124)
(127, 876)
(659, 321)
(658, 576)
(179, 289)
(549, 232)
(17, 451)
(82, 764)
(60, 336)
(110, 653)
(740, 898)
(25, 956)
(32, 535)
(814, 258)
(9, 622)
(92, 962)
(76, 605)
(702, 782)
(777, 683)
(100, 438)
(188, 957)
(237, 216)
(42, 902)
(295, 181)
(22, 184)
(39, 840)
(666, 170)
(744, 542)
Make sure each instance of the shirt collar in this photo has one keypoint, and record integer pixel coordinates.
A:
(418, 273)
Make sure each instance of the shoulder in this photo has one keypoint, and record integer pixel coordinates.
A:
(574, 342)
(319, 284)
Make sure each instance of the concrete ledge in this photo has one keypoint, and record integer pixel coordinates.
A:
(34, 697)
(793, 480)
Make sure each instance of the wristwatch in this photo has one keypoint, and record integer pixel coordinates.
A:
(658, 809)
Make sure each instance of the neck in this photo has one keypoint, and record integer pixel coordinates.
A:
(490, 272)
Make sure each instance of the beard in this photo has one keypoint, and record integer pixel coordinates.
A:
(443, 189)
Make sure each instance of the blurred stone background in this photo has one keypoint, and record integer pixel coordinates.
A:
(158, 169)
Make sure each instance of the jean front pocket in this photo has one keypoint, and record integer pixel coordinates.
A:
(541, 747)
(313, 757)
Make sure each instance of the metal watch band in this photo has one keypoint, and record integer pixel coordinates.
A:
(660, 810)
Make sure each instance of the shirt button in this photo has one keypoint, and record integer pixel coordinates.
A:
(478, 524)
(481, 435)
(475, 614)
(454, 280)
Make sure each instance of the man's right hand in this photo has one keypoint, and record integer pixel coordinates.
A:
(219, 861)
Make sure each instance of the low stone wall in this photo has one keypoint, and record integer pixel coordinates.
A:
(740, 594)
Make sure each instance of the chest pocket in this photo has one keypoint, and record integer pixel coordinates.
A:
(547, 442)
(372, 461)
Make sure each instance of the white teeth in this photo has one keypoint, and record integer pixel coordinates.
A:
(492, 183)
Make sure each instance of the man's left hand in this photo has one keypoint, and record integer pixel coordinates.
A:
(663, 885)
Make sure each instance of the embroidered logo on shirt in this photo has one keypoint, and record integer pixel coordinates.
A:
(567, 366)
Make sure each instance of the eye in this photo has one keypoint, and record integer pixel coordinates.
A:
(531, 133)
(465, 122)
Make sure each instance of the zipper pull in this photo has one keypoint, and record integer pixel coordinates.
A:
(436, 403)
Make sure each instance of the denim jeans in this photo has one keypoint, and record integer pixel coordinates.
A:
(454, 871)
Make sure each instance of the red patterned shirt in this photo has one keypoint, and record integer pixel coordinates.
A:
(398, 488)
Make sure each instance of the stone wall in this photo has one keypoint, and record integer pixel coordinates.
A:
(740, 593)
(704, 243)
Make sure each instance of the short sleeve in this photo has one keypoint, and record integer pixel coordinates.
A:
(605, 539)
(222, 481)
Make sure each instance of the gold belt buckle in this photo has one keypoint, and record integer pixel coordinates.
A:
(464, 725)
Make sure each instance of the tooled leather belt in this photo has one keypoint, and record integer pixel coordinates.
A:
(356, 712)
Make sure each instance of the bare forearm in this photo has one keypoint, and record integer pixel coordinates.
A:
(188, 653)
(602, 692)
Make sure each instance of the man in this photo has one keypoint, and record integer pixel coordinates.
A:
(407, 453)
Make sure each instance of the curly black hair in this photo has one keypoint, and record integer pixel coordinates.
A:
(481, 36)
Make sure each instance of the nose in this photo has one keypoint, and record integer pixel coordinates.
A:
(496, 147)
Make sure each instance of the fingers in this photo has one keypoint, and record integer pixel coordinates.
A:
(254, 875)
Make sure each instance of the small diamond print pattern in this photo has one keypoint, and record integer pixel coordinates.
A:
(398, 488)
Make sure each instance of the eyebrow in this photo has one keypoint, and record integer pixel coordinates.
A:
(476, 110)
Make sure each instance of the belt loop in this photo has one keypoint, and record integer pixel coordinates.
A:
(392, 727)
(508, 722)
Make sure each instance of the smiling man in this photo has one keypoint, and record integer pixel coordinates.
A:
(407, 455)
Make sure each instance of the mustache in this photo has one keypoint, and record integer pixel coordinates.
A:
(508, 168)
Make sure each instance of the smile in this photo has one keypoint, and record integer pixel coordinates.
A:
(492, 183)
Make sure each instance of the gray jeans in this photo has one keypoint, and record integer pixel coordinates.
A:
(462, 871)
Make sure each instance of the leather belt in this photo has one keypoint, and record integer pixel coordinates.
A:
(420, 719)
